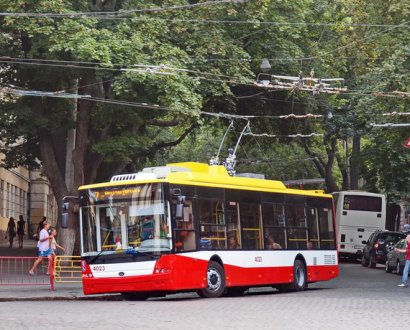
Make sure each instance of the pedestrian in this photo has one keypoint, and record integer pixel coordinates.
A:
(11, 231)
(54, 245)
(21, 225)
(404, 279)
(406, 229)
(43, 248)
(39, 228)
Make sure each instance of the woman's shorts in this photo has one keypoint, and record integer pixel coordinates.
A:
(45, 253)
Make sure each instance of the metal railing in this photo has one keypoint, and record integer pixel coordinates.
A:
(14, 271)
(67, 269)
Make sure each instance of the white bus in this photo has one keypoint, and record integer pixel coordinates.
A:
(358, 215)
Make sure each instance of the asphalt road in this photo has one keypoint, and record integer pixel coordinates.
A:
(360, 298)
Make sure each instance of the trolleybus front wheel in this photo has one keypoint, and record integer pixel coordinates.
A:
(215, 278)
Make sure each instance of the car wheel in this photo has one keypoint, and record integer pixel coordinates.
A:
(387, 268)
(389, 246)
(215, 277)
(399, 270)
(365, 262)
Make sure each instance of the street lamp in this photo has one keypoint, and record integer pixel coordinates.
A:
(265, 65)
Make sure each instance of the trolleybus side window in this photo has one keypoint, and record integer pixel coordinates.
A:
(296, 226)
(184, 232)
(326, 229)
(212, 224)
(232, 222)
(273, 226)
(313, 228)
(251, 225)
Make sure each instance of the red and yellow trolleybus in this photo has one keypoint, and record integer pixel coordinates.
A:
(193, 227)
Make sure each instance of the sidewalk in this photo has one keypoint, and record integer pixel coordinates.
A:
(64, 291)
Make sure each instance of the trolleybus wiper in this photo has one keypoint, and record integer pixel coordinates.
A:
(95, 257)
(135, 252)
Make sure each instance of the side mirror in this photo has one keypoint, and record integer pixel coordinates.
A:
(68, 201)
(179, 212)
(64, 215)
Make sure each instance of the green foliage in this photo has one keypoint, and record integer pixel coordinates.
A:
(205, 61)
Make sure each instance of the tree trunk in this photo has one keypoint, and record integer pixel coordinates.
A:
(325, 167)
(355, 163)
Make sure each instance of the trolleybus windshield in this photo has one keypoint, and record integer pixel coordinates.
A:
(125, 219)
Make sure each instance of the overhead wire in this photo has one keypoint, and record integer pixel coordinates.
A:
(354, 42)
(63, 94)
(153, 69)
(122, 14)
(112, 14)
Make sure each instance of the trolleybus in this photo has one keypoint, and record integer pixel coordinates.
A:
(170, 229)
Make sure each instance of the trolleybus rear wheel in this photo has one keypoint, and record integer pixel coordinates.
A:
(299, 278)
(215, 278)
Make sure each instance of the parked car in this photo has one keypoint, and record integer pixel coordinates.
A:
(379, 244)
(396, 260)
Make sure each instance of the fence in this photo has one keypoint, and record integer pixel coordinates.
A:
(67, 269)
(15, 271)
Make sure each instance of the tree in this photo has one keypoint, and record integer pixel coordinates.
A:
(94, 57)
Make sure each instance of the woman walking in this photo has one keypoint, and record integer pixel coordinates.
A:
(11, 231)
(21, 224)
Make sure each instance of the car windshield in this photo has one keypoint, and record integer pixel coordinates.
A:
(125, 219)
(388, 237)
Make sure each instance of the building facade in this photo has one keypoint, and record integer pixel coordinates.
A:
(27, 193)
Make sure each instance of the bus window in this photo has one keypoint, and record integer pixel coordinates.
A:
(273, 215)
(232, 221)
(273, 220)
(250, 224)
(296, 226)
(184, 233)
(326, 229)
(297, 238)
(274, 238)
(212, 224)
(313, 228)
(362, 203)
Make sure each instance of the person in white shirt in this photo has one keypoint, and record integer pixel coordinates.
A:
(43, 247)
